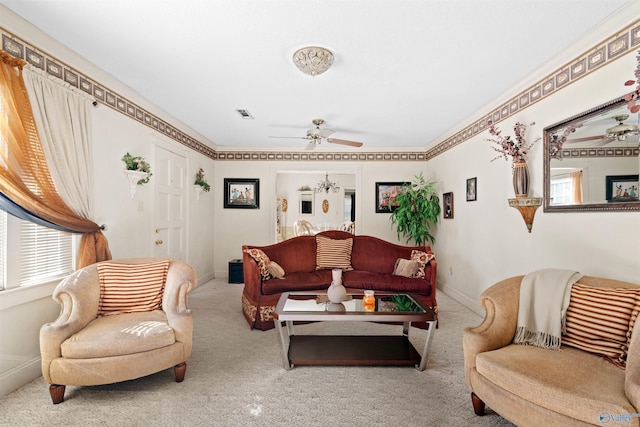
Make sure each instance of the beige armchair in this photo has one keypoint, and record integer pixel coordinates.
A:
(85, 346)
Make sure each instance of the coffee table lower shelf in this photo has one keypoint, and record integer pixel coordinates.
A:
(361, 350)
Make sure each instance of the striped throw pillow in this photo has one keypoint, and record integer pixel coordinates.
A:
(128, 288)
(600, 320)
(333, 253)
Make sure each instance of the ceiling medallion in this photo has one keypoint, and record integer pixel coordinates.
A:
(313, 60)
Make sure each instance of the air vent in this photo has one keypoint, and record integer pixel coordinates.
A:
(245, 114)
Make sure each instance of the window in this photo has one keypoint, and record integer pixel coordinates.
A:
(37, 254)
(561, 190)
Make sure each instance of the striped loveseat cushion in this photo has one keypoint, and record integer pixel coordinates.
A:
(127, 288)
(600, 320)
(333, 253)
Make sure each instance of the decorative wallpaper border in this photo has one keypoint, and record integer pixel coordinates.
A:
(18, 48)
(600, 152)
(311, 156)
(606, 52)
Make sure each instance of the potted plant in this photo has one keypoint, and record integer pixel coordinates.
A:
(138, 164)
(201, 181)
(417, 211)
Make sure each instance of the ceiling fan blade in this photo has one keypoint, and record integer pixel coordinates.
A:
(310, 146)
(586, 138)
(290, 137)
(344, 142)
(325, 133)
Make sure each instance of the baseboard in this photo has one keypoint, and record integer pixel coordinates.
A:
(20, 376)
(462, 299)
(206, 278)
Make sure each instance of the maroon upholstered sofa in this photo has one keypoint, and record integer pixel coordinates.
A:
(373, 261)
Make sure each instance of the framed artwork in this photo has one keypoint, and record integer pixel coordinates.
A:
(242, 193)
(621, 188)
(447, 205)
(472, 189)
(386, 193)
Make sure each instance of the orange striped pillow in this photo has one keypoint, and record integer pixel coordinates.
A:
(600, 320)
(126, 288)
(333, 253)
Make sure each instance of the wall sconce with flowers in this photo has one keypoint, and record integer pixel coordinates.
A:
(200, 184)
(138, 171)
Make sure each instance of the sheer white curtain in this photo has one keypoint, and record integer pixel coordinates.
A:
(63, 119)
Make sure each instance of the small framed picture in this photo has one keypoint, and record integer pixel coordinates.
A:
(242, 193)
(447, 205)
(386, 193)
(472, 189)
(622, 188)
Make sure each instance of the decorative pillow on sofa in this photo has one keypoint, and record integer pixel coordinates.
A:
(333, 253)
(423, 259)
(406, 267)
(263, 261)
(127, 288)
(600, 320)
(275, 270)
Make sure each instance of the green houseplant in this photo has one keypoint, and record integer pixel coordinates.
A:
(417, 211)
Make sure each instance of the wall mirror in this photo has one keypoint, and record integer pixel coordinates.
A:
(594, 167)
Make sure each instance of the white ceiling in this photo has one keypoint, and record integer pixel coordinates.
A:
(405, 73)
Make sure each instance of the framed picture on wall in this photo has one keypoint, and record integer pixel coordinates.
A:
(621, 188)
(386, 193)
(242, 193)
(472, 189)
(447, 205)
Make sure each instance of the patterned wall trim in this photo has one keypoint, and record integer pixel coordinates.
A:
(311, 156)
(600, 152)
(604, 53)
(16, 47)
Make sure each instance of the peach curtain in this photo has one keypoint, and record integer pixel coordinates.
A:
(24, 175)
(576, 185)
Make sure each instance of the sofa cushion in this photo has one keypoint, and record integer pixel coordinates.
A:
(568, 381)
(333, 253)
(127, 288)
(262, 260)
(600, 320)
(312, 281)
(118, 335)
(358, 279)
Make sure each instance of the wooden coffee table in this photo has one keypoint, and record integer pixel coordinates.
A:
(372, 350)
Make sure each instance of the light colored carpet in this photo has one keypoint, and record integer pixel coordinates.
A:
(235, 378)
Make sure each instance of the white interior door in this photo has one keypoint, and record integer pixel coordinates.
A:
(170, 204)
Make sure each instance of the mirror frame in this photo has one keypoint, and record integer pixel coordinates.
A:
(587, 207)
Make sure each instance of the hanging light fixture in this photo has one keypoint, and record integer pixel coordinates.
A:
(313, 60)
(326, 185)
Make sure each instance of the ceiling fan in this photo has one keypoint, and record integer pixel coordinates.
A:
(618, 132)
(316, 135)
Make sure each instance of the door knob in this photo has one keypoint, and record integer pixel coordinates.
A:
(158, 242)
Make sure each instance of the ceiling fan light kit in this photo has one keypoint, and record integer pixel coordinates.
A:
(313, 60)
(316, 135)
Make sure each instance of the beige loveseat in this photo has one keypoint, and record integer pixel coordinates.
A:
(540, 387)
(87, 346)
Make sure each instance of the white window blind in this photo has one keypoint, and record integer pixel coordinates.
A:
(45, 254)
(3, 249)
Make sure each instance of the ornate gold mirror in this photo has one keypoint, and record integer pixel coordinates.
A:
(591, 161)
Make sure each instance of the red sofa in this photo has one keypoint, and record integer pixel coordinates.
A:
(373, 261)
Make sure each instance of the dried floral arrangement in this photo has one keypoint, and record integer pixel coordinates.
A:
(201, 181)
(514, 149)
(556, 143)
(137, 163)
(632, 97)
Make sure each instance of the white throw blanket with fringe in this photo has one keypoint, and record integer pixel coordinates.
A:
(544, 298)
